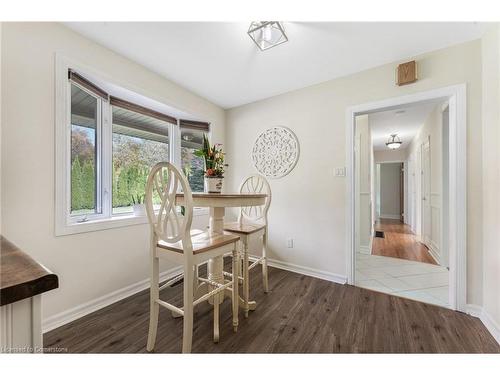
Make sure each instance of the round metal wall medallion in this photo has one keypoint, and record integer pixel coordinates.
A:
(275, 152)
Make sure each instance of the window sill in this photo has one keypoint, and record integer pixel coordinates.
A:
(117, 221)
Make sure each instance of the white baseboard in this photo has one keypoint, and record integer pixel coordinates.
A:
(74, 313)
(492, 326)
(390, 216)
(474, 310)
(434, 254)
(365, 250)
(324, 275)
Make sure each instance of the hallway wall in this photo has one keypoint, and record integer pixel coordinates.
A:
(432, 131)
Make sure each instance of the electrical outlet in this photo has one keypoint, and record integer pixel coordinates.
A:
(289, 243)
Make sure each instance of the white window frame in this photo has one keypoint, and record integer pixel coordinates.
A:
(65, 224)
(100, 160)
(197, 211)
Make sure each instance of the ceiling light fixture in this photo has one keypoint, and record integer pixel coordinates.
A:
(267, 34)
(394, 142)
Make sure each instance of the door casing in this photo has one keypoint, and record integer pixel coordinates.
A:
(457, 234)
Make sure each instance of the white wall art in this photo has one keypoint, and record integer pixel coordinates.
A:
(275, 152)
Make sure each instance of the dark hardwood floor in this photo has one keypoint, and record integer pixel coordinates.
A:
(399, 242)
(301, 314)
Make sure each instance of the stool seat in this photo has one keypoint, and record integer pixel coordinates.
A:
(243, 228)
(202, 241)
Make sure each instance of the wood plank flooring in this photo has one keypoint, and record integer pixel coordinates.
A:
(300, 314)
(399, 242)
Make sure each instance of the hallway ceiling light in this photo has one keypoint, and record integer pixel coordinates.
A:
(394, 142)
(267, 34)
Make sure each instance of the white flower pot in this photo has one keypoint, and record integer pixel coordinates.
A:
(213, 184)
(139, 210)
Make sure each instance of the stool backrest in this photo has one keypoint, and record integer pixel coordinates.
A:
(255, 184)
(166, 221)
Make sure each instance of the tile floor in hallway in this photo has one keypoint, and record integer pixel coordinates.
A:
(414, 280)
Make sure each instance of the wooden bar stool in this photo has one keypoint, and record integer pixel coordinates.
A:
(252, 224)
(172, 239)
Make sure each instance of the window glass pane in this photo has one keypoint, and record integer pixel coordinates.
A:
(83, 152)
(192, 165)
(139, 142)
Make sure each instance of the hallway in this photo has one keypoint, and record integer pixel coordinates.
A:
(399, 242)
(402, 266)
(403, 278)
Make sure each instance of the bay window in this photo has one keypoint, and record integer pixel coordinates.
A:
(105, 148)
(139, 142)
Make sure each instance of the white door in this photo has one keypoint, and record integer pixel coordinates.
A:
(426, 193)
(411, 194)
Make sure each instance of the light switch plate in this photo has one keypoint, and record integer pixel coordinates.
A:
(340, 172)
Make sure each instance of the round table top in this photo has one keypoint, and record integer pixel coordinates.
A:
(225, 199)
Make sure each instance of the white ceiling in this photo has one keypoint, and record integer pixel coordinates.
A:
(218, 60)
(406, 125)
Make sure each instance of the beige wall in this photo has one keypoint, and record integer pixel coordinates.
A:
(316, 216)
(390, 155)
(89, 265)
(491, 173)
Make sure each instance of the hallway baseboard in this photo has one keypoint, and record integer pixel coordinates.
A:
(491, 325)
(434, 254)
(365, 250)
(390, 216)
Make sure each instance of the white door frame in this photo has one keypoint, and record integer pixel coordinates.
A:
(425, 194)
(456, 96)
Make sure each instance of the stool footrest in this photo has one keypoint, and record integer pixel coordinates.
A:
(219, 288)
(172, 281)
(170, 307)
(258, 261)
(229, 274)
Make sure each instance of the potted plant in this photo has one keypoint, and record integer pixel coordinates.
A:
(213, 157)
(139, 207)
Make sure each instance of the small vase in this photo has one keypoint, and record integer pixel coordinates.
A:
(139, 210)
(213, 184)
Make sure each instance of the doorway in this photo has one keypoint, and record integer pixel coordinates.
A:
(415, 212)
(426, 192)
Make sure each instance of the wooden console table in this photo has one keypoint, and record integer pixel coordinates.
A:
(22, 282)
